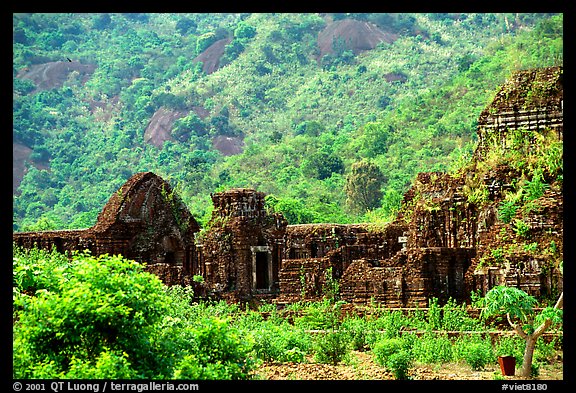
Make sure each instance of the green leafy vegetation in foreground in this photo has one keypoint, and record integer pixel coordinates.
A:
(81, 316)
(104, 317)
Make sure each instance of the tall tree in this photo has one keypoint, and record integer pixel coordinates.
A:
(363, 187)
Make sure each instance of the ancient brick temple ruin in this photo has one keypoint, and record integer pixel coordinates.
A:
(436, 247)
(144, 220)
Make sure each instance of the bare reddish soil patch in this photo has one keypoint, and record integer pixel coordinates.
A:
(228, 145)
(357, 35)
(361, 366)
(54, 74)
(210, 58)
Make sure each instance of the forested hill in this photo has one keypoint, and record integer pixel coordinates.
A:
(331, 115)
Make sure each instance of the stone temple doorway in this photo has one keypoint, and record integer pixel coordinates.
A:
(261, 269)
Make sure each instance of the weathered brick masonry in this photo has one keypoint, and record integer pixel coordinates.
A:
(144, 221)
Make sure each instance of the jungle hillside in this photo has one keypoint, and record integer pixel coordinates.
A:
(299, 106)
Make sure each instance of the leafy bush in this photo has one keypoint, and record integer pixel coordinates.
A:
(323, 314)
(433, 348)
(521, 228)
(332, 347)
(400, 362)
(455, 317)
(384, 348)
(507, 210)
(218, 353)
(393, 354)
(36, 269)
(359, 331)
(478, 355)
(391, 323)
(280, 342)
(100, 309)
(104, 317)
(544, 352)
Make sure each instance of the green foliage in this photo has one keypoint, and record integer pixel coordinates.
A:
(433, 348)
(553, 314)
(99, 304)
(84, 317)
(395, 355)
(455, 317)
(434, 315)
(332, 347)
(384, 348)
(521, 228)
(363, 186)
(502, 300)
(331, 286)
(409, 105)
(535, 188)
(507, 210)
(322, 165)
(104, 317)
(359, 331)
(36, 270)
(323, 314)
(479, 354)
(280, 342)
(392, 322)
(400, 364)
(219, 353)
(294, 210)
(510, 346)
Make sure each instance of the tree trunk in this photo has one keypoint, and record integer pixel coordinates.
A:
(526, 369)
(532, 338)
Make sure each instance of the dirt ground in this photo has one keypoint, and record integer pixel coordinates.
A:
(361, 366)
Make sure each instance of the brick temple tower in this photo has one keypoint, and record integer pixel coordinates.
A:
(240, 252)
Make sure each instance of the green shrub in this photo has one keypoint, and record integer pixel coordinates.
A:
(218, 352)
(399, 363)
(108, 365)
(433, 348)
(384, 348)
(332, 347)
(323, 314)
(393, 354)
(478, 355)
(434, 315)
(521, 228)
(281, 343)
(105, 317)
(507, 210)
(359, 331)
(99, 311)
(455, 317)
(36, 269)
(391, 323)
(544, 352)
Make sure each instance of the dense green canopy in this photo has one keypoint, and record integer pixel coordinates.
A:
(302, 112)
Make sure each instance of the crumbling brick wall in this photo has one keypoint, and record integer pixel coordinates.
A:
(409, 279)
(313, 248)
(530, 100)
(242, 245)
(439, 212)
(144, 221)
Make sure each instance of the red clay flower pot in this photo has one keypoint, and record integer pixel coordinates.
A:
(507, 364)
